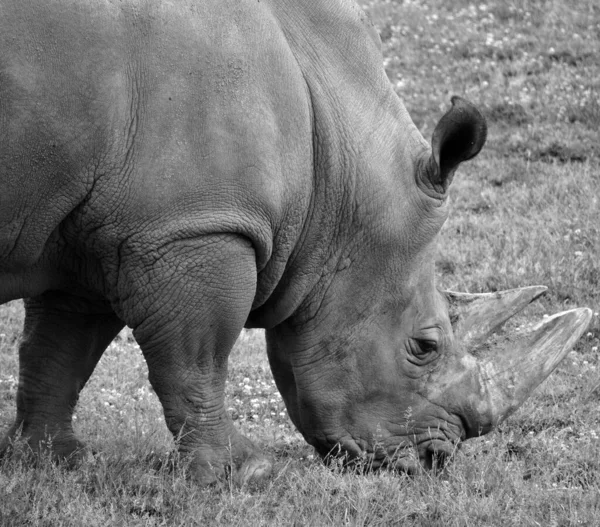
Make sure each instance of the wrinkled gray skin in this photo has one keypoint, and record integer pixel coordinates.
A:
(187, 168)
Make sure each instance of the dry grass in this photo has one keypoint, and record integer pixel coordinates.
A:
(524, 212)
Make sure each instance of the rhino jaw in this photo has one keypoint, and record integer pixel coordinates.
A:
(508, 375)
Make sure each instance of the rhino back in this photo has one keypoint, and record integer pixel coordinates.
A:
(153, 119)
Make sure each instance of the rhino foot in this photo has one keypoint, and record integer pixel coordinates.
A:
(243, 464)
(61, 446)
(255, 470)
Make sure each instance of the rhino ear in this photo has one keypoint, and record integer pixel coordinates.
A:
(459, 136)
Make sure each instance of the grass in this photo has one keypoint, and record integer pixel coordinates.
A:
(524, 212)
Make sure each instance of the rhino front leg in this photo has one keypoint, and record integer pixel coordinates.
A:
(186, 322)
(63, 339)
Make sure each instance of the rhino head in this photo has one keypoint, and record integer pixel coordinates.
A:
(383, 362)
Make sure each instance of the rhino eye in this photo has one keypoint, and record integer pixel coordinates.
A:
(423, 350)
(427, 346)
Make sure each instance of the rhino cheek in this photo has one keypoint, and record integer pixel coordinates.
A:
(352, 408)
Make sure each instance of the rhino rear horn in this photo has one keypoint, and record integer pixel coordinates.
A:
(459, 135)
(475, 317)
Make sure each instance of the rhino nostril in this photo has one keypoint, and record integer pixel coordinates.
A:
(426, 460)
(434, 460)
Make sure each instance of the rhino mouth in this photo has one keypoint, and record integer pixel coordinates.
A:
(428, 451)
(407, 459)
(432, 458)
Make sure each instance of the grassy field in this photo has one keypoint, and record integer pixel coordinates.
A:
(525, 212)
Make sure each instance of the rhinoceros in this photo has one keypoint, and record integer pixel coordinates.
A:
(188, 168)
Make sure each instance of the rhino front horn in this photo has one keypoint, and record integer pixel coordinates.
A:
(459, 135)
(513, 370)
